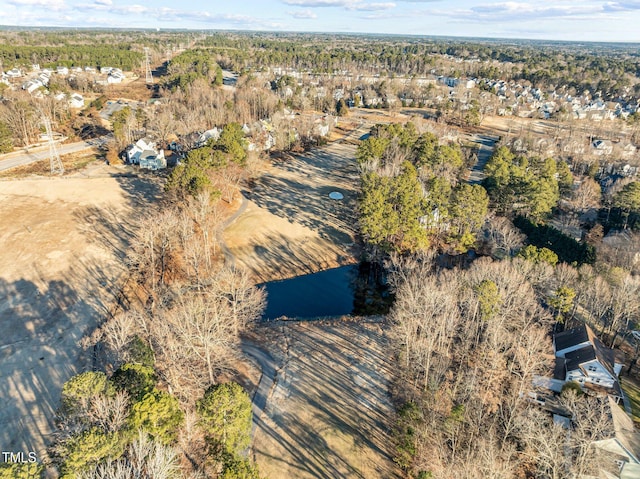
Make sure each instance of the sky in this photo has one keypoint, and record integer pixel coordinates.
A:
(579, 20)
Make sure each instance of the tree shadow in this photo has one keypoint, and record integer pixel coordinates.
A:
(332, 409)
(45, 315)
(298, 190)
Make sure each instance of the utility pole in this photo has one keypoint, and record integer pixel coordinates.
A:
(147, 66)
(54, 157)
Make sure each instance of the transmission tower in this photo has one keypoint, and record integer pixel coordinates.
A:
(54, 157)
(147, 66)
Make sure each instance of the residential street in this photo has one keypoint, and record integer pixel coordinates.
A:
(487, 144)
(20, 158)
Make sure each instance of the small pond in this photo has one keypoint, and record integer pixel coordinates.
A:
(356, 289)
(327, 293)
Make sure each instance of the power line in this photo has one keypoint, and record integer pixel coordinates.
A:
(147, 66)
(54, 157)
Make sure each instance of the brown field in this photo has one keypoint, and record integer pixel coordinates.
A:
(329, 414)
(291, 226)
(63, 241)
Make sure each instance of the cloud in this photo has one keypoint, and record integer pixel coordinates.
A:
(371, 7)
(48, 4)
(319, 3)
(303, 14)
(132, 15)
(521, 11)
(622, 6)
(358, 5)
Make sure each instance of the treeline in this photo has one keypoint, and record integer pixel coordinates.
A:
(606, 68)
(121, 56)
(163, 403)
(189, 66)
(213, 168)
(530, 186)
(612, 70)
(469, 339)
(412, 195)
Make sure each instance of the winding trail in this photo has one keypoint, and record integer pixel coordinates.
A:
(249, 348)
(229, 259)
(267, 380)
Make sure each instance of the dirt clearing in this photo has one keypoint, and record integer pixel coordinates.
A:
(329, 413)
(62, 244)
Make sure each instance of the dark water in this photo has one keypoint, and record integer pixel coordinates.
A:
(327, 293)
(353, 289)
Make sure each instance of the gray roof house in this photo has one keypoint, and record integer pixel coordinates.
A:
(582, 357)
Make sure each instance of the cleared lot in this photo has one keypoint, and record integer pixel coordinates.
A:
(62, 241)
(291, 226)
(329, 413)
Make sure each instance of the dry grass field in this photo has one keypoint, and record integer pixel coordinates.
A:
(62, 241)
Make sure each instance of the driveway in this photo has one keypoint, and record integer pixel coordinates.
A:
(487, 145)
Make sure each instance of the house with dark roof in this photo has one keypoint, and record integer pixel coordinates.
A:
(582, 357)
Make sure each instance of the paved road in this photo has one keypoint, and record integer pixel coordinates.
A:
(229, 259)
(12, 160)
(487, 144)
(267, 380)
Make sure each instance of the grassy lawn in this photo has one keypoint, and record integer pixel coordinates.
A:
(631, 388)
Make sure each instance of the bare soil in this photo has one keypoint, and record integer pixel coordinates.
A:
(63, 243)
(329, 413)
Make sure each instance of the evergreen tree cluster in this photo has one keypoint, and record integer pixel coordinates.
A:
(529, 186)
(412, 194)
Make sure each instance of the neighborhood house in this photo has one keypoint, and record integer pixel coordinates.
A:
(581, 357)
(146, 155)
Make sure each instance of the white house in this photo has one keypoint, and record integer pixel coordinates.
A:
(602, 147)
(62, 70)
(44, 78)
(106, 70)
(146, 155)
(115, 76)
(153, 160)
(14, 73)
(581, 357)
(76, 101)
(32, 85)
(207, 135)
(623, 446)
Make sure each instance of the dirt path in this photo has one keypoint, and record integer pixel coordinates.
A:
(63, 240)
(267, 380)
(290, 225)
